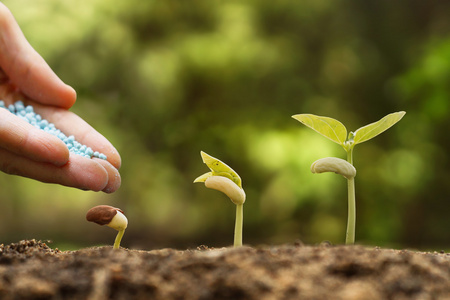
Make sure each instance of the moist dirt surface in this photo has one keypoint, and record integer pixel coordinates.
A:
(30, 269)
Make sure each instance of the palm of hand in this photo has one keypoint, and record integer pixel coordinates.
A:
(33, 153)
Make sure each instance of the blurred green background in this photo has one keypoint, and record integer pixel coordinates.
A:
(163, 80)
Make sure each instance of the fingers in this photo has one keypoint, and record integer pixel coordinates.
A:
(31, 152)
(71, 124)
(3, 78)
(34, 153)
(80, 172)
(18, 136)
(8, 92)
(114, 179)
(26, 69)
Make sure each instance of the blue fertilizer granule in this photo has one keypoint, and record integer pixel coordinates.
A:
(27, 113)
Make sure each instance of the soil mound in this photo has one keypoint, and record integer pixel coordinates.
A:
(32, 270)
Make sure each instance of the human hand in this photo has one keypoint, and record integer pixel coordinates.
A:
(31, 152)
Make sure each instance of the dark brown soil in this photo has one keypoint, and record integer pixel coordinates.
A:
(31, 270)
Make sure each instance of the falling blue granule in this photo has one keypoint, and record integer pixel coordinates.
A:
(27, 113)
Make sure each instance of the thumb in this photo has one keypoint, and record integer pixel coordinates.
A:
(26, 69)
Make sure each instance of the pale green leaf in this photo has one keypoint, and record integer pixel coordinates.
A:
(203, 177)
(372, 130)
(219, 168)
(328, 127)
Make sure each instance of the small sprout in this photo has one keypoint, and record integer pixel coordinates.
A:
(109, 216)
(226, 180)
(334, 164)
(336, 131)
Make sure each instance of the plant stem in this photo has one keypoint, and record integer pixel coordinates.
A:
(118, 239)
(238, 225)
(351, 221)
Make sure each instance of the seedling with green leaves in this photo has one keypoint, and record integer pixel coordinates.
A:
(336, 131)
(225, 179)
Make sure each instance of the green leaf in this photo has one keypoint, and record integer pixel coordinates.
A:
(219, 168)
(328, 127)
(372, 130)
(203, 177)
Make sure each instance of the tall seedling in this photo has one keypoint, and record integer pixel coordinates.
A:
(336, 131)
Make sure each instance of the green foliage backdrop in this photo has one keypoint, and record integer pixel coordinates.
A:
(165, 79)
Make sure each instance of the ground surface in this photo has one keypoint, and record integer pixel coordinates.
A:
(31, 270)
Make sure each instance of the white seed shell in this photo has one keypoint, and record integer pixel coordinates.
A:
(119, 222)
(334, 164)
(226, 186)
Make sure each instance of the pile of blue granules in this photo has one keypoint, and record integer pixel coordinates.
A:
(27, 113)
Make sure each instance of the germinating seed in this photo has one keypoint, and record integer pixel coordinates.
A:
(27, 113)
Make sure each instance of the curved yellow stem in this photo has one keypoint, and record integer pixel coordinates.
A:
(118, 239)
